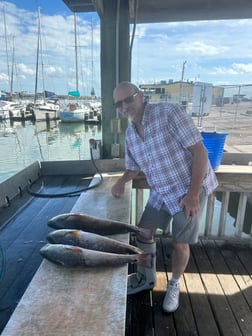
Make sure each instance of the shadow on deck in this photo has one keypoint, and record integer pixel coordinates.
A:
(215, 299)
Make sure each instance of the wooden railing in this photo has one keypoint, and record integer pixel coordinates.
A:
(228, 213)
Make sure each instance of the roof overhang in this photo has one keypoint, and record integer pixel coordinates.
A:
(151, 11)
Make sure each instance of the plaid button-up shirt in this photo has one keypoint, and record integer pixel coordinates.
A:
(163, 154)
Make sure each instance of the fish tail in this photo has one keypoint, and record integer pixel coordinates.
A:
(146, 260)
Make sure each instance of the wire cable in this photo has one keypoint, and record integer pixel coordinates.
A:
(70, 193)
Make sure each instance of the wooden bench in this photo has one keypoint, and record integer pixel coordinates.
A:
(64, 301)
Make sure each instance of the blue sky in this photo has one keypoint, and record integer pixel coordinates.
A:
(218, 52)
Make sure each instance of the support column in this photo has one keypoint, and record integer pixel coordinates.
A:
(115, 61)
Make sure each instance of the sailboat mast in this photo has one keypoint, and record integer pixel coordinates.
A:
(76, 53)
(12, 68)
(37, 59)
(6, 47)
(92, 58)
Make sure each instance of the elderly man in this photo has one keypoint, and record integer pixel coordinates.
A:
(163, 142)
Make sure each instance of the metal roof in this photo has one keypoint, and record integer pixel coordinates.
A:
(150, 11)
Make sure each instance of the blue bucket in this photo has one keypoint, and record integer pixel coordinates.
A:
(214, 143)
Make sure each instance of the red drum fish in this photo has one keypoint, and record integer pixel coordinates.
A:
(91, 241)
(93, 224)
(75, 256)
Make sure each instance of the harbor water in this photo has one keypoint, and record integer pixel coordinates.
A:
(22, 144)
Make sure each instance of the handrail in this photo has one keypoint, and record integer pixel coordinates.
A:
(232, 179)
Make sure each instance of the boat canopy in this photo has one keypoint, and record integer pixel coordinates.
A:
(74, 93)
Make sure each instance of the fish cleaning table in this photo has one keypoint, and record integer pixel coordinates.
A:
(78, 302)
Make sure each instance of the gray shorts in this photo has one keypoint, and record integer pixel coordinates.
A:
(184, 230)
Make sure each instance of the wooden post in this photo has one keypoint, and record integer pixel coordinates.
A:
(115, 61)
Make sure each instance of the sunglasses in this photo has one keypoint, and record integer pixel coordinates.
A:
(126, 100)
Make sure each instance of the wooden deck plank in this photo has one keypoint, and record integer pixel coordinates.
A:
(224, 316)
(238, 303)
(204, 308)
(183, 318)
(198, 297)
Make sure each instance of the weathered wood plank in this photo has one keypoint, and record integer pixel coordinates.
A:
(225, 318)
(236, 158)
(237, 302)
(184, 321)
(201, 309)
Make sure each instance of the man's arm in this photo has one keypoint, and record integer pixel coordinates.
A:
(199, 166)
(118, 188)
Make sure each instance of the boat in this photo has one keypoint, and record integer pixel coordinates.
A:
(88, 112)
(48, 106)
(74, 112)
(46, 109)
(10, 109)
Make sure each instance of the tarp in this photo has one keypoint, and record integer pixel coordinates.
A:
(74, 93)
(49, 94)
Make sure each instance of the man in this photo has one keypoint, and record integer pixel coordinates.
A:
(163, 142)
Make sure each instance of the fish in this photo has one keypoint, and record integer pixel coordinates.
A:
(75, 256)
(91, 241)
(81, 221)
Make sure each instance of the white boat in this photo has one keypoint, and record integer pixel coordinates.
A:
(10, 109)
(48, 109)
(74, 112)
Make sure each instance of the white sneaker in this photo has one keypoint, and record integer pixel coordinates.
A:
(171, 300)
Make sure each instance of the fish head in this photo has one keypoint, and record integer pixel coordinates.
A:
(63, 236)
(62, 221)
(57, 236)
(60, 254)
(50, 253)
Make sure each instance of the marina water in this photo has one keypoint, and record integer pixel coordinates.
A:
(22, 144)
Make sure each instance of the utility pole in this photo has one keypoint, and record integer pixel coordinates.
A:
(183, 71)
(181, 82)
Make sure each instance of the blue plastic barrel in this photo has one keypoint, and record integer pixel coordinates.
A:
(214, 143)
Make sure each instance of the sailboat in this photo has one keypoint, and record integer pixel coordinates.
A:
(75, 111)
(46, 108)
(9, 108)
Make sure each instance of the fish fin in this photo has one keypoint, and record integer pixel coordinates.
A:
(146, 259)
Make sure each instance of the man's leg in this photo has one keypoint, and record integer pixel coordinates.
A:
(185, 231)
(180, 258)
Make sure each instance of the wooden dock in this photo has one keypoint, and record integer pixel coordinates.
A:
(215, 299)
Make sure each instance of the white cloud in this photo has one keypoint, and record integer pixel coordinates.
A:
(215, 51)
(201, 48)
(243, 68)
